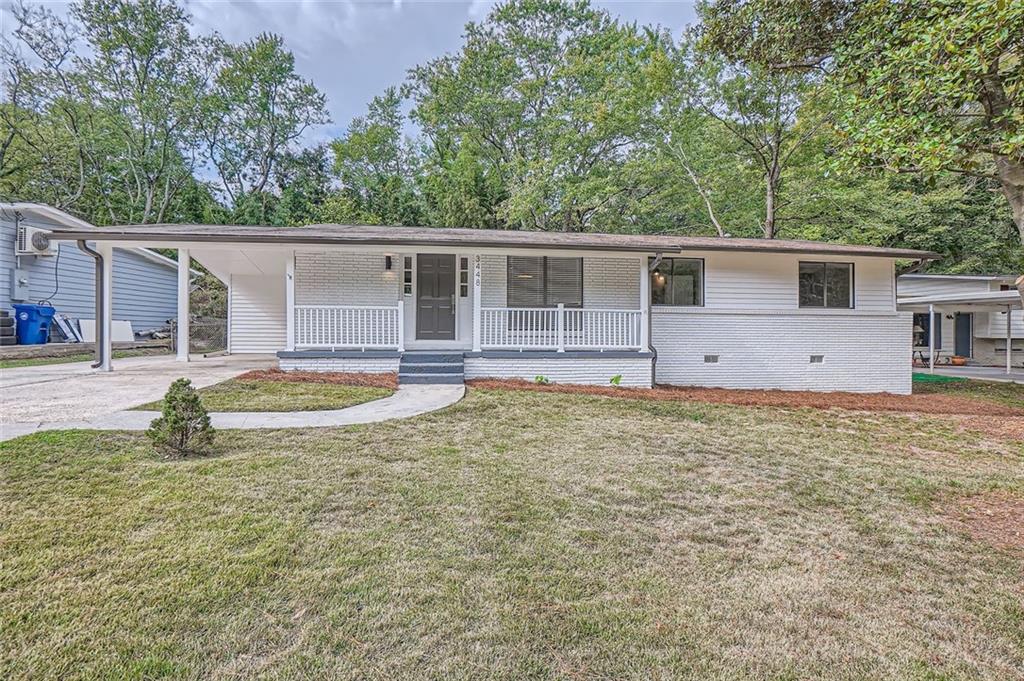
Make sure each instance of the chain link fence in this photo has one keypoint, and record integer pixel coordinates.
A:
(206, 335)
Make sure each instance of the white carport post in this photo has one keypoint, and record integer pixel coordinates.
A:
(289, 301)
(931, 338)
(1009, 337)
(105, 326)
(184, 260)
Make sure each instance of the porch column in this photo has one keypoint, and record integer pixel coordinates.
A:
(184, 260)
(1009, 338)
(477, 303)
(645, 306)
(289, 301)
(105, 326)
(931, 338)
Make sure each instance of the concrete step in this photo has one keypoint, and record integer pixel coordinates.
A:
(429, 368)
(432, 357)
(431, 379)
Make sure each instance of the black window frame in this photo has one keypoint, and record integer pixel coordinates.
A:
(921, 337)
(650, 274)
(544, 284)
(852, 303)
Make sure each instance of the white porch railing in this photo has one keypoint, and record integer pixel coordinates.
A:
(348, 326)
(560, 328)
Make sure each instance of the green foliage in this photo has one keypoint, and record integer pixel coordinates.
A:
(183, 426)
(377, 167)
(541, 379)
(924, 86)
(551, 99)
(616, 379)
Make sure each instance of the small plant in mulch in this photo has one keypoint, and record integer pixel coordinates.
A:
(616, 379)
(183, 427)
(540, 379)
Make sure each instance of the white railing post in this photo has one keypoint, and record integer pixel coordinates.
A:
(476, 302)
(645, 305)
(401, 325)
(560, 327)
(289, 300)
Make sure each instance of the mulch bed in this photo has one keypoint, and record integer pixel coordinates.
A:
(923, 404)
(337, 378)
(993, 517)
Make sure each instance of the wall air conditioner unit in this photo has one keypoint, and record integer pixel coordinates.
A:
(33, 241)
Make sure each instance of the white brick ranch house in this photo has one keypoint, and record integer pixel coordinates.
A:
(447, 304)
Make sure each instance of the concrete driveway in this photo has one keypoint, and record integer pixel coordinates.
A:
(74, 391)
(1016, 375)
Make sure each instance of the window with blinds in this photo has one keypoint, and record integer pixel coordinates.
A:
(544, 282)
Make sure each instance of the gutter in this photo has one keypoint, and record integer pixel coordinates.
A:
(100, 312)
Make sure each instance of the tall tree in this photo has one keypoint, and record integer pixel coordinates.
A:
(922, 86)
(553, 97)
(377, 166)
(257, 109)
(758, 108)
(126, 104)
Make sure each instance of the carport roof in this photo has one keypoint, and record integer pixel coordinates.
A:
(331, 234)
(982, 300)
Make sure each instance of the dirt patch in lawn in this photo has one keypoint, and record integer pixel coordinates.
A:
(336, 378)
(924, 404)
(1008, 428)
(996, 518)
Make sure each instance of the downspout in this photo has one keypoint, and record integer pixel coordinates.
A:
(100, 312)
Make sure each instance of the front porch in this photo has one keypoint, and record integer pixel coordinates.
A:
(371, 311)
(385, 301)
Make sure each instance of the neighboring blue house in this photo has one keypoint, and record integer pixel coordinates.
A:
(145, 282)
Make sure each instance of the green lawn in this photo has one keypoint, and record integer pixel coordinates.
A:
(1011, 394)
(85, 357)
(262, 395)
(516, 535)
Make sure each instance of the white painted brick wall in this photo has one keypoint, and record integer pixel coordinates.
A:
(336, 278)
(611, 283)
(863, 352)
(373, 365)
(636, 372)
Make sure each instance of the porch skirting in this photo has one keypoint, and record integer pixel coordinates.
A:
(585, 368)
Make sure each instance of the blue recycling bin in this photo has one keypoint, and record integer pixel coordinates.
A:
(33, 323)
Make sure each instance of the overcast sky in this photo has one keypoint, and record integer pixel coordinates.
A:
(353, 49)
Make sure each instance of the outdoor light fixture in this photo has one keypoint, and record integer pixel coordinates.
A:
(387, 262)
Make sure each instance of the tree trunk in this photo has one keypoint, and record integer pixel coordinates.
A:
(1011, 179)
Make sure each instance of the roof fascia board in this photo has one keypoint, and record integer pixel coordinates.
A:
(135, 240)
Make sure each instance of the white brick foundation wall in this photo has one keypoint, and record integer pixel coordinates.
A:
(370, 365)
(861, 352)
(636, 371)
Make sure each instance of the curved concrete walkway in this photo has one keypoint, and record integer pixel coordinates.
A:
(410, 400)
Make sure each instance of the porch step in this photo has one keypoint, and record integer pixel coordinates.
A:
(431, 368)
(431, 379)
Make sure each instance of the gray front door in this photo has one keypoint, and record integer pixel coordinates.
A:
(435, 296)
(962, 326)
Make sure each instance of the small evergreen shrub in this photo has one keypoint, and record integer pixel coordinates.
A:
(183, 427)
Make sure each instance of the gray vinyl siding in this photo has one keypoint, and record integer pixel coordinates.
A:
(145, 292)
